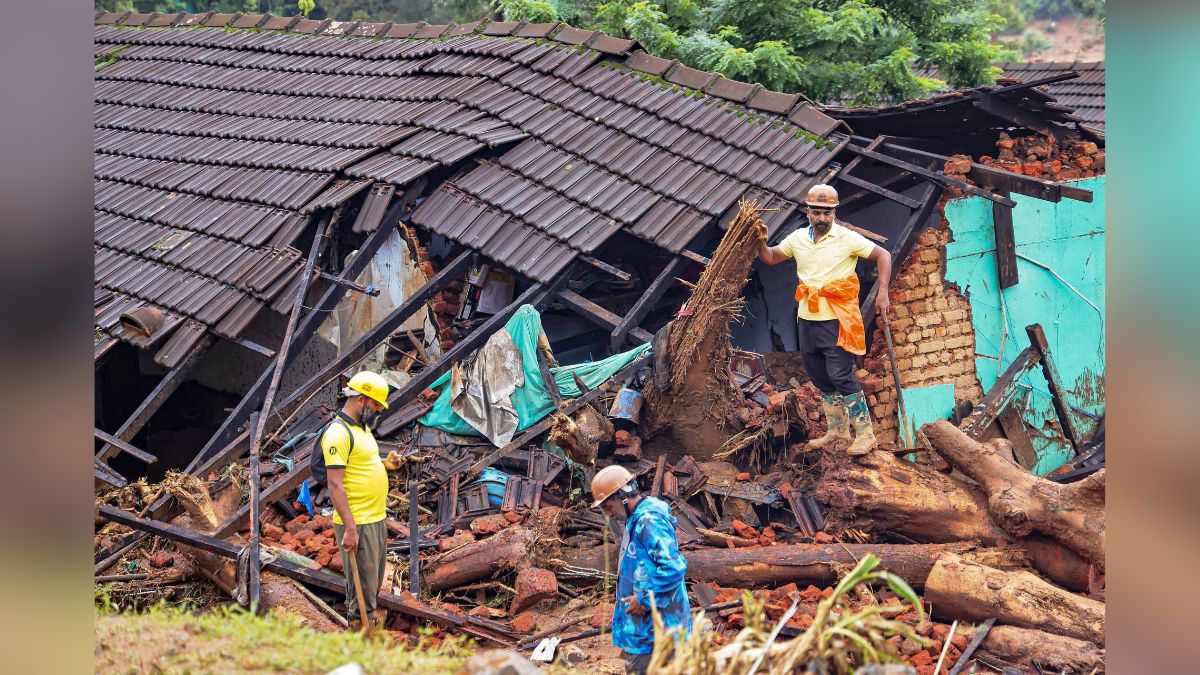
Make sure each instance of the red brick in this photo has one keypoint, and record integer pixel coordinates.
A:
(513, 517)
(481, 612)
(622, 437)
(532, 586)
(270, 531)
(522, 623)
(922, 658)
(823, 538)
(489, 524)
(743, 530)
(303, 534)
(602, 615)
(743, 476)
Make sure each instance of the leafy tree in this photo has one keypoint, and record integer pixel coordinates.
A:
(859, 52)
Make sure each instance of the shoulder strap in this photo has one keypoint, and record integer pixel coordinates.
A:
(346, 422)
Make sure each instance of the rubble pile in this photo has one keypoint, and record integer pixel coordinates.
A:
(500, 537)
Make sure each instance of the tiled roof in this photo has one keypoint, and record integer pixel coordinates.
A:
(233, 138)
(1084, 94)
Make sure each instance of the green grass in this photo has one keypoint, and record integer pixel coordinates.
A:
(231, 639)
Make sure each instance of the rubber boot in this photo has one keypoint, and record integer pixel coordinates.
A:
(355, 626)
(835, 421)
(860, 420)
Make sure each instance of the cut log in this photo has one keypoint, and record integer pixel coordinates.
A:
(507, 550)
(697, 412)
(958, 588)
(880, 493)
(1044, 651)
(823, 564)
(1022, 502)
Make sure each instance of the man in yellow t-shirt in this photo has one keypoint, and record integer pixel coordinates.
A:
(358, 488)
(829, 323)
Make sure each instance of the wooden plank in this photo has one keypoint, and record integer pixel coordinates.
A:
(1037, 338)
(308, 327)
(999, 396)
(935, 176)
(606, 268)
(157, 397)
(106, 475)
(404, 604)
(997, 106)
(881, 191)
(695, 257)
(1014, 430)
(654, 292)
(598, 315)
(1006, 244)
(124, 447)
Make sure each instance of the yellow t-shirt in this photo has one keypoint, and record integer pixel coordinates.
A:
(366, 479)
(820, 262)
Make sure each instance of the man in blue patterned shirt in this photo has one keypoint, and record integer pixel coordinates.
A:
(651, 568)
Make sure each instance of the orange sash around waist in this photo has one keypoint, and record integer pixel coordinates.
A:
(842, 296)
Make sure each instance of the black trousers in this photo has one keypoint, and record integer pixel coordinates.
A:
(830, 367)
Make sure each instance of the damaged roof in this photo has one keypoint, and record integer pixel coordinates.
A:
(577, 134)
(1084, 94)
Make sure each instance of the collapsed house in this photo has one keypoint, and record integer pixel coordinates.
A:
(280, 201)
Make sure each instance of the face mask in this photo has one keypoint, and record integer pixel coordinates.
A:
(369, 418)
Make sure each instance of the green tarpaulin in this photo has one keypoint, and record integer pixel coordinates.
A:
(532, 400)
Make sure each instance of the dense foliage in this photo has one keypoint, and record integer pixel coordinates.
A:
(857, 52)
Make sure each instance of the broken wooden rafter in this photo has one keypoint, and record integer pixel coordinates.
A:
(254, 347)
(124, 447)
(157, 397)
(399, 603)
(997, 179)
(880, 190)
(598, 315)
(1000, 395)
(107, 475)
(994, 105)
(1037, 340)
(308, 327)
(929, 174)
(606, 268)
(655, 291)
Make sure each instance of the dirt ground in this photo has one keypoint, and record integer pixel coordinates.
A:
(1074, 39)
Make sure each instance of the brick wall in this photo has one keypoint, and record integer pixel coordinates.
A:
(931, 327)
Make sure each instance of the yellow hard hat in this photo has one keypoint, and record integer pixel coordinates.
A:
(822, 196)
(607, 481)
(372, 385)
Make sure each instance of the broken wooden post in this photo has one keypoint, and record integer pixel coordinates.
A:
(1037, 339)
(1022, 502)
(1000, 395)
(1006, 245)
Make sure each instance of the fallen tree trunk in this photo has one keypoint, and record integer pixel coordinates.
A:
(697, 412)
(882, 493)
(1022, 502)
(509, 549)
(959, 588)
(824, 564)
(1044, 651)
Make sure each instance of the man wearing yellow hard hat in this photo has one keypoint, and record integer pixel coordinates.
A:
(358, 487)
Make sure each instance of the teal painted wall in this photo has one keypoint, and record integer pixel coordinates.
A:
(1069, 238)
